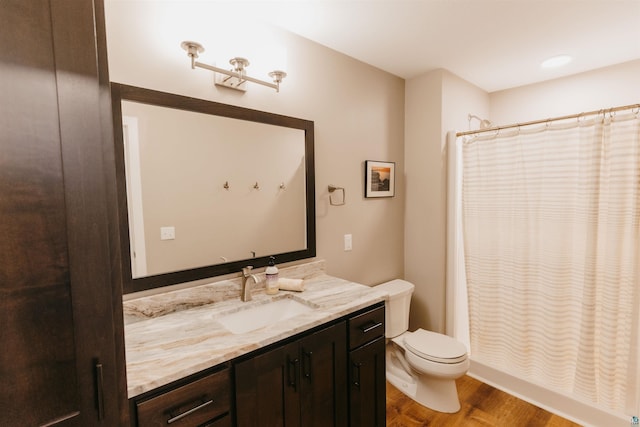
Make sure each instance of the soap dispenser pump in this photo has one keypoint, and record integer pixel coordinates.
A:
(272, 277)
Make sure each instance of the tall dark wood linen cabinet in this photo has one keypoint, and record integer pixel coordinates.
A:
(61, 332)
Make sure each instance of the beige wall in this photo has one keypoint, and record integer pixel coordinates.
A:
(436, 102)
(358, 112)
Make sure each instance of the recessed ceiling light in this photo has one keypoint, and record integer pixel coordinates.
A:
(556, 61)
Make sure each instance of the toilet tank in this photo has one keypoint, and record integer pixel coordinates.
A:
(396, 306)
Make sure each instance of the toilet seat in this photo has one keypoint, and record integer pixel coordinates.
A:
(435, 347)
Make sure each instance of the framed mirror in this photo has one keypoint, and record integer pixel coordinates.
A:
(205, 189)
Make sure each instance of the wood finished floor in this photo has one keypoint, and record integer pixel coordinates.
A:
(481, 405)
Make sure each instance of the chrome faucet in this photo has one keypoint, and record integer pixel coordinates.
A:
(246, 288)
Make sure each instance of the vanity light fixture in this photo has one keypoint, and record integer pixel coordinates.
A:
(236, 77)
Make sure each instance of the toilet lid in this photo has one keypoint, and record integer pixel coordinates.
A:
(435, 347)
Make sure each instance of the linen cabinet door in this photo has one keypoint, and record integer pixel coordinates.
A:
(323, 371)
(58, 362)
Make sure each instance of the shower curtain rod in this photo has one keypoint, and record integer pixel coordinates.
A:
(536, 122)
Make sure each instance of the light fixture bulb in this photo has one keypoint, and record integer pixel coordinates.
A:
(239, 64)
(277, 76)
(192, 48)
(556, 61)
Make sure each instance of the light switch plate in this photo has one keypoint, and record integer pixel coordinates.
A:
(167, 233)
(348, 242)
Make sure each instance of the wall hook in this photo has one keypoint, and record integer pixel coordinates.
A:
(256, 186)
(282, 186)
(226, 185)
(332, 189)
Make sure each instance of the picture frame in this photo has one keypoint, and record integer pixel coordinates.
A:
(379, 179)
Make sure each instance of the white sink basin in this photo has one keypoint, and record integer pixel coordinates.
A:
(260, 315)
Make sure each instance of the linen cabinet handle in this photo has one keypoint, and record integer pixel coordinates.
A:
(189, 412)
(99, 388)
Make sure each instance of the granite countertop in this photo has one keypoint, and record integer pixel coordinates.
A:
(176, 334)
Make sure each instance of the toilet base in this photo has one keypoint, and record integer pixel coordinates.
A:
(439, 395)
(405, 385)
(431, 392)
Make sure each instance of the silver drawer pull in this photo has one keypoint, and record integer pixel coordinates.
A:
(189, 412)
(370, 328)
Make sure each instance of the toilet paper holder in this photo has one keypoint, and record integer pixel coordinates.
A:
(332, 189)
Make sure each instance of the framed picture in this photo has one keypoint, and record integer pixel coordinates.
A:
(379, 179)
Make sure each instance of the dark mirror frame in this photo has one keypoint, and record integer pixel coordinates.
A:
(121, 92)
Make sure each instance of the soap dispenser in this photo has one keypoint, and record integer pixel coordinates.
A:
(272, 277)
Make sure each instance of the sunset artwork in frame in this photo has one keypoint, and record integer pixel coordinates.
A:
(379, 179)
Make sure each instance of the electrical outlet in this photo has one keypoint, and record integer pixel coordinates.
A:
(348, 242)
(167, 233)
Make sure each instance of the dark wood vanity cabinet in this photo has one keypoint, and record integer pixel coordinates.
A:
(301, 383)
(367, 384)
(58, 288)
(333, 375)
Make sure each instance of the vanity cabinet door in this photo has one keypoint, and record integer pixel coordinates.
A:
(302, 383)
(323, 368)
(367, 393)
(367, 382)
(268, 388)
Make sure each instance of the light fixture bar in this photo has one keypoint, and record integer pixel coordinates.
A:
(234, 74)
(194, 48)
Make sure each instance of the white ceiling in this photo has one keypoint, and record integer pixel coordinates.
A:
(494, 44)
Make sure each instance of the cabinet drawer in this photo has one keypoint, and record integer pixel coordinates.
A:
(191, 404)
(222, 422)
(366, 327)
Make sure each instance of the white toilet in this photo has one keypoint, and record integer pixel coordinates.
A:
(422, 364)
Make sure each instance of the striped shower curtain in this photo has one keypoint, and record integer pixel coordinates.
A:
(551, 224)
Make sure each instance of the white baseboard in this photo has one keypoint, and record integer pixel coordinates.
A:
(557, 403)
